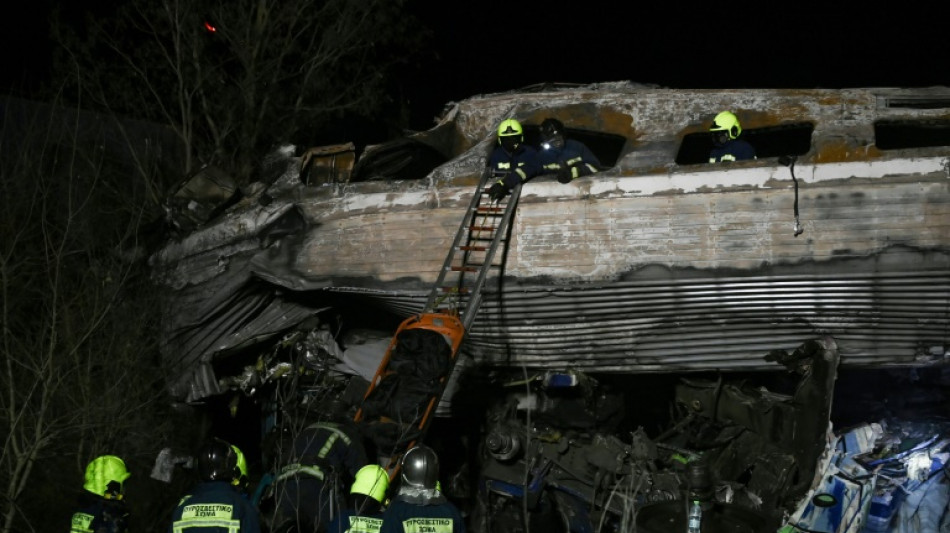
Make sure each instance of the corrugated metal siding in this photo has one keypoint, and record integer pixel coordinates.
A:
(882, 318)
(877, 318)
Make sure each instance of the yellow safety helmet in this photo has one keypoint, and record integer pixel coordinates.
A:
(242, 466)
(105, 475)
(727, 122)
(510, 127)
(510, 135)
(372, 481)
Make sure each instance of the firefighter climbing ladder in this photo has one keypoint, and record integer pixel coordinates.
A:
(471, 256)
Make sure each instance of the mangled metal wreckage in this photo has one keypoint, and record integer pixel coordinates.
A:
(839, 231)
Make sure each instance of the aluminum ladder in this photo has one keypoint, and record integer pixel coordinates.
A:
(471, 257)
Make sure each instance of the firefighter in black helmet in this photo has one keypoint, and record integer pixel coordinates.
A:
(215, 504)
(567, 158)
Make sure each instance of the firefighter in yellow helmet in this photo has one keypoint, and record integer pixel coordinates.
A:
(101, 508)
(367, 497)
(512, 161)
(727, 146)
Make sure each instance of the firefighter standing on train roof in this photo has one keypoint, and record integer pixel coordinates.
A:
(512, 161)
(101, 508)
(727, 146)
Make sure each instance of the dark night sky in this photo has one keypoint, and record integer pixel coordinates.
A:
(496, 46)
(713, 44)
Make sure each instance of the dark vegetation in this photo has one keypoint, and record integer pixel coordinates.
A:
(137, 95)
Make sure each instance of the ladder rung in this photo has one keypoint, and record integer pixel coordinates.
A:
(483, 228)
(473, 248)
(462, 290)
(497, 211)
(463, 269)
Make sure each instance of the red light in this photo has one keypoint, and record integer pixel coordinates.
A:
(210, 27)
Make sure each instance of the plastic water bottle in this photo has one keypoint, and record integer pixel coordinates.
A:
(695, 517)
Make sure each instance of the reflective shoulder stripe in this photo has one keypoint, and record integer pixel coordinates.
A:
(328, 445)
(337, 434)
(233, 526)
(504, 164)
(207, 515)
(295, 469)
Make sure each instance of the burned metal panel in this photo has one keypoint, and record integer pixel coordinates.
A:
(610, 227)
(199, 198)
(739, 219)
(580, 279)
(244, 316)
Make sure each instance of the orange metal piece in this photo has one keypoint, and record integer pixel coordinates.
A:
(446, 324)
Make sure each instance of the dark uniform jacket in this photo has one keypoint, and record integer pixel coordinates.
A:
(440, 516)
(214, 507)
(575, 158)
(99, 515)
(514, 168)
(733, 150)
(325, 457)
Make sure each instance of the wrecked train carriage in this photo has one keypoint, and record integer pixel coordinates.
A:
(660, 263)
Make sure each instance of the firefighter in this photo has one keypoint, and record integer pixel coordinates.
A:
(215, 505)
(420, 506)
(567, 158)
(512, 161)
(307, 485)
(367, 497)
(727, 146)
(101, 508)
